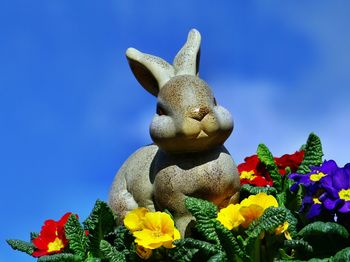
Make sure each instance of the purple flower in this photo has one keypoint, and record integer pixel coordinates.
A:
(337, 190)
(314, 190)
(313, 177)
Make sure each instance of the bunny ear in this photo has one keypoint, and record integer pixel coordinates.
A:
(152, 72)
(186, 61)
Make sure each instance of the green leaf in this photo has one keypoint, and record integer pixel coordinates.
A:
(247, 189)
(269, 221)
(201, 209)
(100, 222)
(22, 246)
(204, 212)
(219, 257)
(323, 228)
(300, 245)
(189, 249)
(110, 253)
(343, 255)
(63, 257)
(313, 154)
(230, 244)
(33, 235)
(77, 239)
(325, 238)
(266, 158)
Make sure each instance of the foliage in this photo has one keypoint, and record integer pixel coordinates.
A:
(271, 223)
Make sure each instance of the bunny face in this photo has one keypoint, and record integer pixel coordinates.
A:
(188, 118)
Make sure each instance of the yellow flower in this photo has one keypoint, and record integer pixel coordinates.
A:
(143, 253)
(157, 230)
(230, 216)
(283, 229)
(254, 206)
(134, 219)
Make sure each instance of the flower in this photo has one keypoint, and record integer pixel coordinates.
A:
(230, 216)
(143, 253)
(316, 174)
(337, 190)
(154, 229)
(292, 161)
(254, 206)
(52, 237)
(283, 229)
(253, 172)
(314, 183)
(134, 219)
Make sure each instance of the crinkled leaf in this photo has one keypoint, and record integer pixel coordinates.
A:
(229, 243)
(269, 221)
(313, 154)
(22, 246)
(326, 239)
(110, 253)
(100, 222)
(219, 257)
(323, 228)
(204, 212)
(188, 249)
(64, 257)
(77, 239)
(33, 235)
(247, 189)
(201, 209)
(267, 159)
(299, 245)
(343, 255)
(292, 221)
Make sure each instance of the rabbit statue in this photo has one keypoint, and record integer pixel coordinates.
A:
(188, 130)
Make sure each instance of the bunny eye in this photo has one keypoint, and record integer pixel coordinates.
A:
(160, 110)
(215, 103)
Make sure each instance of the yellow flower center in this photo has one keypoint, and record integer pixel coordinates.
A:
(344, 194)
(316, 200)
(56, 245)
(316, 177)
(248, 175)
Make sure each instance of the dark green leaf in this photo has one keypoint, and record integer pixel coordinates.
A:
(323, 228)
(64, 257)
(300, 245)
(21, 246)
(229, 243)
(266, 158)
(313, 154)
(33, 235)
(343, 255)
(77, 239)
(219, 257)
(204, 212)
(201, 209)
(100, 222)
(188, 249)
(269, 221)
(111, 253)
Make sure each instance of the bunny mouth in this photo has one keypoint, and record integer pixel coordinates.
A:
(202, 134)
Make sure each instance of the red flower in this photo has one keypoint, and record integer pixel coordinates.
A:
(253, 172)
(293, 161)
(52, 237)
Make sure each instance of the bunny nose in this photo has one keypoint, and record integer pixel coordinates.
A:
(199, 113)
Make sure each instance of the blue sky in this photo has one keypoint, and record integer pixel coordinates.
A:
(71, 111)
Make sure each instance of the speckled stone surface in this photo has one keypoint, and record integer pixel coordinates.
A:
(189, 128)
